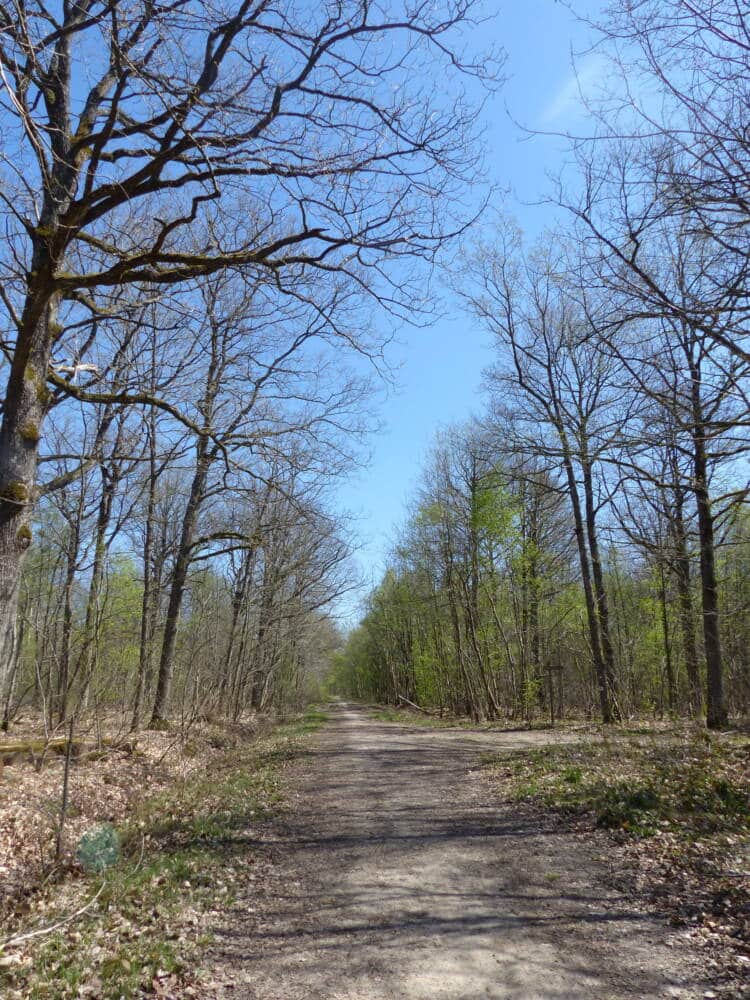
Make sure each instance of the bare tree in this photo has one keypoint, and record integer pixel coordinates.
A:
(563, 394)
(669, 142)
(263, 391)
(701, 388)
(287, 122)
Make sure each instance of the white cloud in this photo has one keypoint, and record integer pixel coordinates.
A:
(582, 83)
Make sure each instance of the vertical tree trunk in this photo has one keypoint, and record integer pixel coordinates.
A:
(685, 606)
(10, 691)
(87, 659)
(26, 398)
(261, 666)
(232, 663)
(24, 407)
(716, 712)
(602, 606)
(472, 616)
(470, 701)
(177, 590)
(146, 632)
(531, 564)
(668, 664)
(241, 672)
(71, 565)
(591, 615)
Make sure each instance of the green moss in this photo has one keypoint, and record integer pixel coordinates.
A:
(37, 384)
(16, 491)
(30, 433)
(24, 534)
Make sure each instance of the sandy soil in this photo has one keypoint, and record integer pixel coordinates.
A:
(396, 875)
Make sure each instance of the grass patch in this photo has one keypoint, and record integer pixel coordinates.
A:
(694, 785)
(310, 722)
(678, 805)
(182, 851)
(409, 717)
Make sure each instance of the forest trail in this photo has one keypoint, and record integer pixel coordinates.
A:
(395, 875)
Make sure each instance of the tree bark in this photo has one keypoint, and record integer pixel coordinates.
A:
(146, 632)
(716, 712)
(600, 592)
(24, 409)
(177, 590)
(685, 606)
(591, 615)
(668, 664)
(87, 659)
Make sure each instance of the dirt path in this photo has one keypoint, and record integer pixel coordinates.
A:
(397, 876)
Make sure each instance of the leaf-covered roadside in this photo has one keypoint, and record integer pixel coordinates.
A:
(678, 806)
(405, 716)
(186, 852)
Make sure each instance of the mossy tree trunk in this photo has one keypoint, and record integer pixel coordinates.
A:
(23, 416)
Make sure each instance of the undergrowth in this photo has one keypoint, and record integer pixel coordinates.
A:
(410, 717)
(679, 806)
(184, 851)
(694, 785)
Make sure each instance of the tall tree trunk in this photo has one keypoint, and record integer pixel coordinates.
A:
(146, 637)
(600, 673)
(682, 576)
(71, 566)
(239, 599)
(262, 660)
(716, 712)
(24, 407)
(87, 659)
(531, 568)
(602, 605)
(10, 691)
(470, 701)
(472, 617)
(205, 453)
(179, 579)
(668, 664)
(241, 671)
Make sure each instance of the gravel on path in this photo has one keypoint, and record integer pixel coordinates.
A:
(395, 875)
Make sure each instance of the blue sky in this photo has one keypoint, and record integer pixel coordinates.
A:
(440, 367)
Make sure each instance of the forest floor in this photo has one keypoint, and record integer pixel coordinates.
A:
(375, 860)
(159, 832)
(407, 867)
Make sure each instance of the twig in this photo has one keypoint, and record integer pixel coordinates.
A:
(169, 749)
(418, 707)
(11, 942)
(140, 856)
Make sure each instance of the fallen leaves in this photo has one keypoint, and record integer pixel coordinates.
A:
(187, 847)
(676, 803)
(102, 790)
